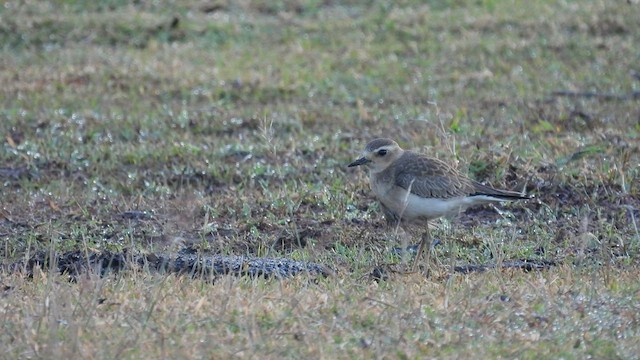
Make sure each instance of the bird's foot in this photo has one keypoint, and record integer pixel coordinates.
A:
(412, 249)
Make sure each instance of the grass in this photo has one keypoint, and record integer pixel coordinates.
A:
(231, 123)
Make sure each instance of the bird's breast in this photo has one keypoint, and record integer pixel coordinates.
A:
(379, 186)
(405, 205)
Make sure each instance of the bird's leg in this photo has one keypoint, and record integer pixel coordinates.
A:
(425, 240)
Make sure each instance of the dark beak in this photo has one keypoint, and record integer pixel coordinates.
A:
(361, 161)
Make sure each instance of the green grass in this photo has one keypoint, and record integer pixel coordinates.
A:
(232, 124)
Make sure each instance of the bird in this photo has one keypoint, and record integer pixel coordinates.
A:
(413, 188)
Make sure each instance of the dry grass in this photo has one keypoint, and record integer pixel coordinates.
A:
(231, 123)
(558, 313)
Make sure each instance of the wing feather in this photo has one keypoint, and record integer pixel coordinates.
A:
(432, 178)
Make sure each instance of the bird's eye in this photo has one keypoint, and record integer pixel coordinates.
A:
(382, 152)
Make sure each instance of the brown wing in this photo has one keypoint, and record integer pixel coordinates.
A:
(432, 178)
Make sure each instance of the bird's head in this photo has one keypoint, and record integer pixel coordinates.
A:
(379, 154)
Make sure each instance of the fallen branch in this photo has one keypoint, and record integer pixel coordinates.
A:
(592, 94)
(526, 265)
(187, 261)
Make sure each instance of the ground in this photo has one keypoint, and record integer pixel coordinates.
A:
(224, 127)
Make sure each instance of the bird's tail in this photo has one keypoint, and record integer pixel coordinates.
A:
(504, 195)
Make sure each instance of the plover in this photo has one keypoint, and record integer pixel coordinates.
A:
(415, 188)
